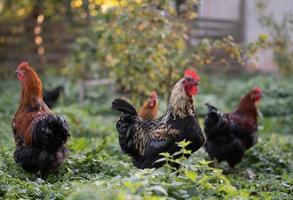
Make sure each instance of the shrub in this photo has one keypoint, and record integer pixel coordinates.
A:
(144, 46)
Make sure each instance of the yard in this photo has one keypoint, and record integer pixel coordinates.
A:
(97, 168)
(131, 47)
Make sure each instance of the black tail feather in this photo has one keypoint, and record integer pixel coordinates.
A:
(211, 107)
(125, 124)
(51, 133)
(123, 106)
(213, 120)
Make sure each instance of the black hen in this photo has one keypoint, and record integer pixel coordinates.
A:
(51, 96)
(230, 134)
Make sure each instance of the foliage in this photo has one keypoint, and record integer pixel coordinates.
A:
(281, 36)
(145, 46)
(138, 41)
(97, 169)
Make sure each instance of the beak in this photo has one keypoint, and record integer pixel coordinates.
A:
(196, 83)
(16, 71)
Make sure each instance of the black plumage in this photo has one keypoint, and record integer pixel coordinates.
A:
(144, 140)
(229, 135)
(47, 150)
(39, 134)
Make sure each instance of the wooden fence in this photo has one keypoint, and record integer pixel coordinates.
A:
(17, 40)
(18, 43)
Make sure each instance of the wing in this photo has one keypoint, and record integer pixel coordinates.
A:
(238, 124)
(152, 135)
(17, 137)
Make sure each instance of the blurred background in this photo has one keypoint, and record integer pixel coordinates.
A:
(101, 41)
(133, 47)
(87, 52)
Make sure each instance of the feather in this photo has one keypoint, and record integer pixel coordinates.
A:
(144, 140)
(230, 134)
(39, 134)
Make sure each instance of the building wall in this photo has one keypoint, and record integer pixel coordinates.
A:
(230, 9)
(219, 9)
(253, 28)
(277, 8)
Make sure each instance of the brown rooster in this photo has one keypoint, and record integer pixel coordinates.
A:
(39, 134)
(230, 134)
(149, 110)
(144, 140)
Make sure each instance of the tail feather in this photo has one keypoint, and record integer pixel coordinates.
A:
(125, 124)
(211, 107)
(213, 118)
(51, 133)
(123, 106)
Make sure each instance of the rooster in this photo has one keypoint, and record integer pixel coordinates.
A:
(230, 134)
(50, 97)
(144, 140)
(149, 110)
(39, 134)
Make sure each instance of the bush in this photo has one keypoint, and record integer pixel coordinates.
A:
(144, 46)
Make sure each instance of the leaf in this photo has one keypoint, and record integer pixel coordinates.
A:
(159, 189)
(192, 175)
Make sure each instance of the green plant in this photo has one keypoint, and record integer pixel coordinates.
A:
(98, 169)
(143, 45)
(281, 40)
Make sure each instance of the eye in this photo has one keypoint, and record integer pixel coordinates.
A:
(188, 80)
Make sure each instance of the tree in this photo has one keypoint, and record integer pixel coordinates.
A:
(143, 46)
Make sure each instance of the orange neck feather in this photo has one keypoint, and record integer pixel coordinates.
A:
(31, 92)
(148, 113)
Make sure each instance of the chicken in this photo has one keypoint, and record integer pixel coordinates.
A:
(50, 97)
(149, 110)
(144, 140)
(39, 134)
(230, 134)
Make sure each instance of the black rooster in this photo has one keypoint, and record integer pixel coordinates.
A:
(144, 140)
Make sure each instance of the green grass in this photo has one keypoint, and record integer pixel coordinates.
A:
(97, 169)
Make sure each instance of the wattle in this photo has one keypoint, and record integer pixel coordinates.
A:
(20, 77)
(192, 90)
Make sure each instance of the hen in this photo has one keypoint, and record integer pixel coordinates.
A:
(39, 134)
(149, 110)
(50, 97)
(144, 140)
(230, 134)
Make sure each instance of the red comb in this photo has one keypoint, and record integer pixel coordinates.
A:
(154, 94)
(23, 64)
(257, 89)
(191, 73)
